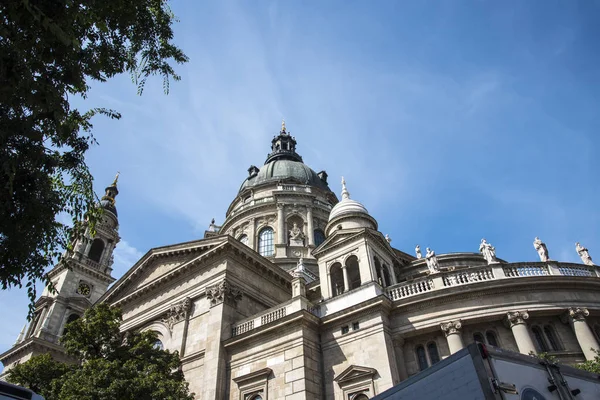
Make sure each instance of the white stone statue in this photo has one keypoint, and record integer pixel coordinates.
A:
(584, 254)
(541, 248)
(296, 236)
(488, 251)
(418, 251)
(388, 238)
(432, 261)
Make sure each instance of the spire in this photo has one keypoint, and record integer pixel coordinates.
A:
(283, 126)
(116, 179)
(108, 200)
(345, 194)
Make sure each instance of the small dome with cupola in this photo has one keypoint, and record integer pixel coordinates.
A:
(348, 214)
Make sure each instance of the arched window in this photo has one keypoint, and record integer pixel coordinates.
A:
(380, 278)
(353, 272)
(337, 279)
(361, 396)
(71, 318)
(243, 239)
(265, 242)
(319, 237)
(96, 250)
(256, 397)
(551, 338)
(478, 337)
(159, 345)
(386, 275)
(540, 342)
(491, 339)
(422, 358)
(432, 350)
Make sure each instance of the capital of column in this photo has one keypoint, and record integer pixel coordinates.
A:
(577, 313)
(280, 206)
(516, 317)
(451, 328)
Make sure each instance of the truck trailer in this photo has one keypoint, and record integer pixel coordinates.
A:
(481, 372)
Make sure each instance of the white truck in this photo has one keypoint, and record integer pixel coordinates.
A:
(480, 372)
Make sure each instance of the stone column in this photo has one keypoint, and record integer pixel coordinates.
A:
(280, 224)
(452, 331)
(310, 228)
(585, 336)
(346, 279)
(515, 320)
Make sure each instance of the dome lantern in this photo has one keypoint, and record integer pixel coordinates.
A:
(283, 147)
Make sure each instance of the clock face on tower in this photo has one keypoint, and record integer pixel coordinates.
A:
(84, 289)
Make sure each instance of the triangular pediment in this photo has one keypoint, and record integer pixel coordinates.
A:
(336, 239)
(161, 265)
(158, 263)
(355, 372)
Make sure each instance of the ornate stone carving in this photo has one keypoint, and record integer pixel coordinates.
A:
(177, 312)
(541, 248)
(584, 254)
(451, 328)
(577, 313)
(516, 317)
(223, 292)
(418, 251)
(296, 236)
(488, 251)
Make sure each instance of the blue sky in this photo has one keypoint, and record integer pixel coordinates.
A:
(451, 121)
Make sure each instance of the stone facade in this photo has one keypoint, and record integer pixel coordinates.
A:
(298, 296)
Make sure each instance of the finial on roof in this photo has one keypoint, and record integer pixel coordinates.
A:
(345, 194)
(283, 125)
(116, 179)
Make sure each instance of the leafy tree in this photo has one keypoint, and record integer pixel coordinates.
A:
(50, 50)
(41, 374)
(111, 364)
(591, 365)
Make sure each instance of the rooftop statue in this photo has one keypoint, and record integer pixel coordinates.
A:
(541, 248)
(418, 251)
(584, 254)
(488, 251)
(432, 261)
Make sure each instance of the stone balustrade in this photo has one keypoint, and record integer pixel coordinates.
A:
(403, 290)
(273, 314)
(251, 203)
(468, 276)
(446, 279)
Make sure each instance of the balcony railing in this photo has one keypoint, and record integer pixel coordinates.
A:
(491, 272)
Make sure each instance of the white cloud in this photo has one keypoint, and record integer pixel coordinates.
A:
(125, 257)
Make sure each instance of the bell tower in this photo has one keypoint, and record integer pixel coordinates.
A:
(79, 282)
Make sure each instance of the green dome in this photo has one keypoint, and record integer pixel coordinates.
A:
(285, 171)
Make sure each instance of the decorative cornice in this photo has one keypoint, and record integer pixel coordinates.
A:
(223, 292)
(451, 328)
(178, 312)
(516, 318)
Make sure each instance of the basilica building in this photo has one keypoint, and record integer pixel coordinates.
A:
(297, 295)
